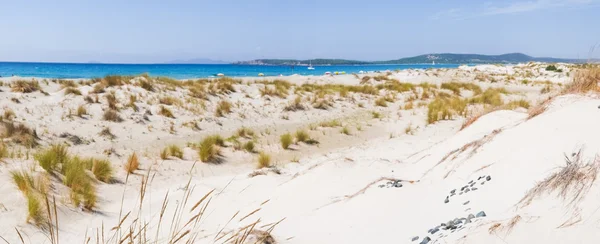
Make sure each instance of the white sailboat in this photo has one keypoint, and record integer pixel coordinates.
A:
(310, 67)
(432, 62)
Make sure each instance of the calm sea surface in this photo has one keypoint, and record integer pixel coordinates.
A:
(186, 71)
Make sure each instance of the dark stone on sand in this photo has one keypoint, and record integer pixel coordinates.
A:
(425, 240)
(415, 238)
(467, 202)
(488, 178)
(481, 214)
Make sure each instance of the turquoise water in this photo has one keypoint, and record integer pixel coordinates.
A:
(185, 71)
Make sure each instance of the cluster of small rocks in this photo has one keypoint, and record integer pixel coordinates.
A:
(392, 183)
(471, 186)
(451, 225)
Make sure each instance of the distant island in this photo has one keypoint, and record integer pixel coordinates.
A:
(440, 58)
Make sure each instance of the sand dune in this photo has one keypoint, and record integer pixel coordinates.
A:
(400, 173)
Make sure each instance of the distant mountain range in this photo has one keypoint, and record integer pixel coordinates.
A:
(440, 58)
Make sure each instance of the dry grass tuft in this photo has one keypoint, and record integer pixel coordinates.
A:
(249, 146)
(223, 108)
(81, 111)
(164, 111)
(302, 136)
(25, 86)
(52, 157)
(245, 132)
(455, 87)
(112, 115)
(169, 101)
(102, 169)
(491, 96)
(112, 101)
(345, 130)
(286, 140)
(445, 109)
(264, 160)
(176, 151)
(132, 164)
(9, 114)
(572, 181)
(19, 133)
(540, 108)
(518, 103)
(147, 85)
(210, 149)
(381, 102)
(585, 80)
(71, 90)
(295, 105)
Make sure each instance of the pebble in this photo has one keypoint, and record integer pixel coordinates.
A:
(474, 189)
(447, 200)
(483, 182)
(488, 178)
(415, 238)
(453, 191)
(471, 216)
(467, 190)
(467, 202)
(425, 240)
(460, 193)
(481, 214)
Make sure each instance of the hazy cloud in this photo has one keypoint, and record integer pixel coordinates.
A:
(514, 7)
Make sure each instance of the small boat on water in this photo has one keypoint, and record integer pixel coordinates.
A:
(310, 67)
(327, 73)
(261, 74)
(220, 75)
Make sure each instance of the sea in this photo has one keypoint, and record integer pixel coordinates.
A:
(188, 71)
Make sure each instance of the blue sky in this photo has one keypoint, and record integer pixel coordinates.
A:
(149, 31)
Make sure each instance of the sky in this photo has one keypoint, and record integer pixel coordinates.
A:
(157, 31)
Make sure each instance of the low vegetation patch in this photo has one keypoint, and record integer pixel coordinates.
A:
(132, 164)
(176, 151)
(445, 109)
(210, 149)
(264, 160)
(71, 90)
(164, 111)
(223, 108)
(286, 140)
(572, 182)
(112, 115)
(455, 87)
(585, 80)
(25, 86)
(19, 133)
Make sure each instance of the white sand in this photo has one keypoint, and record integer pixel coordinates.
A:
(332, 194)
